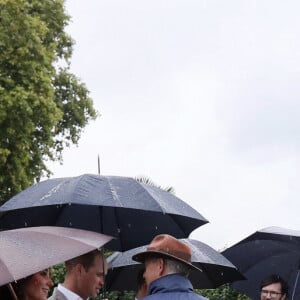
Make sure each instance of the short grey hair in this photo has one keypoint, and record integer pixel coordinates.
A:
(175, 266)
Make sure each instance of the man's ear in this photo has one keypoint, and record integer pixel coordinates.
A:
(78, 269)
(161, 265)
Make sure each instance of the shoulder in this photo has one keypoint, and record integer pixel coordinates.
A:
(57, 295)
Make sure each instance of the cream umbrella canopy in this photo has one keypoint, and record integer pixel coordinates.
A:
(26, 251)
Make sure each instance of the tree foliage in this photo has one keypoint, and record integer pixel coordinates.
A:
(43, 106)
(225, 292)
(147, 180)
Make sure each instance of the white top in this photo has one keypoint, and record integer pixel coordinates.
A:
(69, 294)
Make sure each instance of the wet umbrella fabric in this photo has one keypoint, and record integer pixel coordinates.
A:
(272, 250)
(26, 251)
(118, 206)
(216, 269)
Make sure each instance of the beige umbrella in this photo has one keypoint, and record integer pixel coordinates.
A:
(26, 251)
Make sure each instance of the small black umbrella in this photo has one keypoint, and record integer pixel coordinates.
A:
(216, 269)
(118, 206)
(272, 250)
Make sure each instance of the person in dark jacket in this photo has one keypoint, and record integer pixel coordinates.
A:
(167, 263)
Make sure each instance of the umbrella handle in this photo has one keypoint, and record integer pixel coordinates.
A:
(103, 269)
(12, 291)
(295, 285)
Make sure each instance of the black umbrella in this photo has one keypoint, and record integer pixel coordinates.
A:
(216, 269)
(272, 250)
(132, 212)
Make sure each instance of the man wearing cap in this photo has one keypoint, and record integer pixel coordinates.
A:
(167, 264)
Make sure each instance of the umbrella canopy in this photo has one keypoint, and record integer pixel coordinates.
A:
(26, 251)
(216, 269)
(272, 250)
(119, 206)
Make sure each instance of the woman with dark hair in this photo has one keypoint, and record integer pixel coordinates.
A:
(33, 287)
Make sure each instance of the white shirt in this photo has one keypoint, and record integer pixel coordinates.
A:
(69, 294)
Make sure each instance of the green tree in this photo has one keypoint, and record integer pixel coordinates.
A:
(43, 107)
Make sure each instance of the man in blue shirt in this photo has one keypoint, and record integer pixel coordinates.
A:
(167, 264)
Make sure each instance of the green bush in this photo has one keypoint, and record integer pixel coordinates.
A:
(224, 292)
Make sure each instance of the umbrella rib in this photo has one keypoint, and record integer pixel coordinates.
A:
(113, 193)
(162, 210)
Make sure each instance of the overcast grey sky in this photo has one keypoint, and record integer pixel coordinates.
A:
(199, 95)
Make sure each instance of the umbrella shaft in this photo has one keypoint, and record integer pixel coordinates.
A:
(295, 285)
(12, 292)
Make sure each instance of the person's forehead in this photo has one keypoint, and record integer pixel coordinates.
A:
(98, 258)
(273, 286)
(98, 261)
